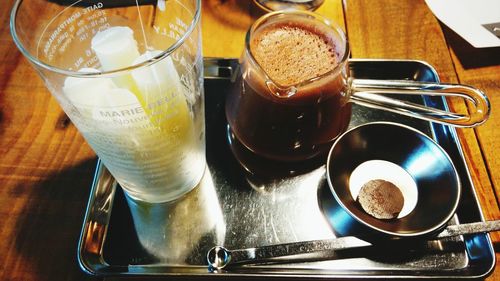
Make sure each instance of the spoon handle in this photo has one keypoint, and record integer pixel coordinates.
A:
(220, 257)
(297, 248)
(469, 228)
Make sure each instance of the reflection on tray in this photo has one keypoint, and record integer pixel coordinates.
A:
(182, 230)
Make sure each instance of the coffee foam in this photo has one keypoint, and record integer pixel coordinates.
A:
(293, 52)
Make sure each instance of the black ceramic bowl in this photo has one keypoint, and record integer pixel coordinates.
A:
(393, 152)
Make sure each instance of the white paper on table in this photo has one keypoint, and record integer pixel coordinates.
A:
(477, 21)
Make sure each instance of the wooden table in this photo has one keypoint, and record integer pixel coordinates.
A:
(47, 168)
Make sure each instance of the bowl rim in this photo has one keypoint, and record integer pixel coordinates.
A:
(424, 232)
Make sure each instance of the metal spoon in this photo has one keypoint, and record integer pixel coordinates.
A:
(219, 257)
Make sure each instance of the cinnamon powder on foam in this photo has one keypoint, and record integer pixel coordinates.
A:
(291, 53)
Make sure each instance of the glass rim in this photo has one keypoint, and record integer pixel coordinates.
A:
(268, 9)
(153, 60)
(329, 23)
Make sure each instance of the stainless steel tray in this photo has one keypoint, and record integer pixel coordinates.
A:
(235, 209)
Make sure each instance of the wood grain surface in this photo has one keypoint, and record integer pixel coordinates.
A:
(408, 30)
(46, 167)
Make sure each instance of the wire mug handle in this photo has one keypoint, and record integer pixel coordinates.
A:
(367, 92)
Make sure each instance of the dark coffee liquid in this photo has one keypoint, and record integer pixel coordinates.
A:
(293, 128)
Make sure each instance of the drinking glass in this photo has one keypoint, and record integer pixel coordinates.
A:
(129, 76)
(276, 5)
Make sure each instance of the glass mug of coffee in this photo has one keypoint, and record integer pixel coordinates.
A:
(293, 92)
